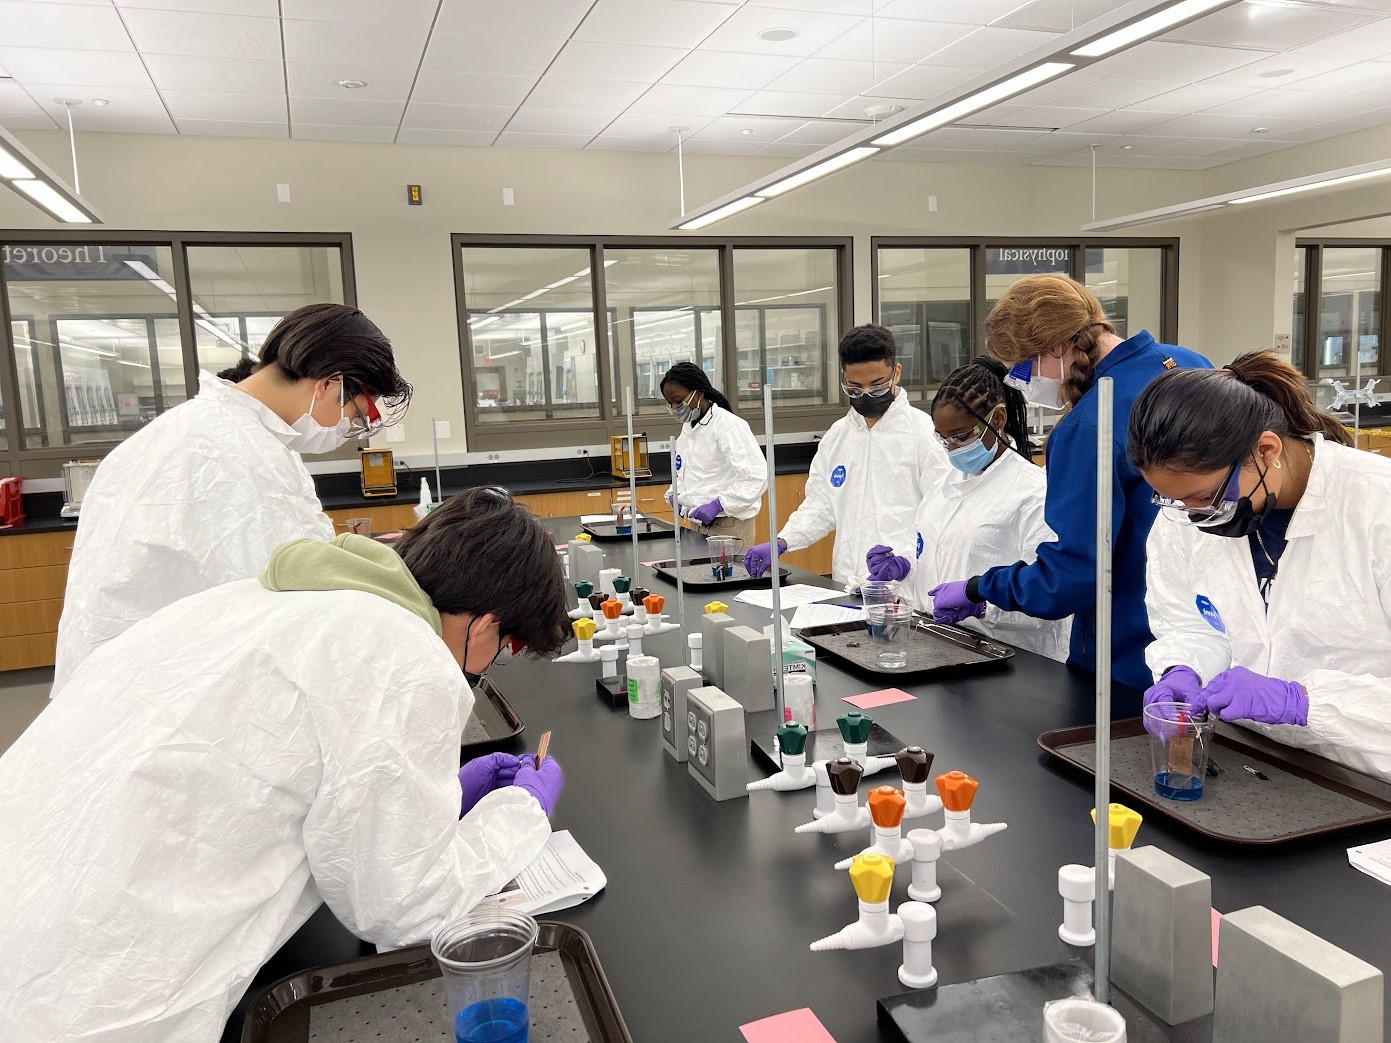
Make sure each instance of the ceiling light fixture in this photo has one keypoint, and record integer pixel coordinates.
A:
(352, 85)
(28, 175)
(1323, 182)
(1273, 74)
(1145, 27)
(728, 210)
(826, 166)
(746, 131)
(982, 99)
(1126, 148)
(778, 34)
(1260, 130)
(101, 103)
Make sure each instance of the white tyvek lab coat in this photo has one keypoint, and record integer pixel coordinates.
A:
(200, 496)
(969, 524)
(866, 484)
(1329, 622)
(157, 848)
(719, 458)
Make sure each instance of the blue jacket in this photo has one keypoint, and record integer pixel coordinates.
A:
(1062, 581)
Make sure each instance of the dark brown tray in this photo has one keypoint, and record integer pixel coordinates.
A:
(280, 1012)
(933, 648)
(496, 726)
(667, 570)
(649, 528)
(1302, 796)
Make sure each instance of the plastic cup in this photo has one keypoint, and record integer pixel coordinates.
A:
(1077, 1020)
(888, 630)
(485, 958)
(360, 526)
(1179, 747)
(622, 517)
(725, 553)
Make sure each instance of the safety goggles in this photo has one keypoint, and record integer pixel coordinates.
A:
(957, 441)
(364, 426)
(877, 391)
(1222, 507)
(510, 650)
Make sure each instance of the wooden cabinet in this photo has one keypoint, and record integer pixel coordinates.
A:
(384, 519)
(33, 573)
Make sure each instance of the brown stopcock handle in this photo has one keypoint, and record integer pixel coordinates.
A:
(637, 594)
(845, 776)
(595, 600)
(914, 763)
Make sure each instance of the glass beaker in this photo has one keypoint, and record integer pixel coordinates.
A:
(360, 526)
(1179, 748)
(725, 553)
(1077, 1020)
(875, 594)
(888, 631)
(622, 517)
(485, 957)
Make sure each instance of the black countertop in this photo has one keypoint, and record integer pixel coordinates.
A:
(710, 906)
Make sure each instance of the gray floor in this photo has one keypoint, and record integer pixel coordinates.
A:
(23, 693)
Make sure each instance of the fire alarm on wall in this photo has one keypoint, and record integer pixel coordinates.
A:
(413, 196)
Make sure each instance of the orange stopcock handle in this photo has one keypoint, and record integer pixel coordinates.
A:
(886, 806)
(957, 790)
(872, 877)
(653, 604)
(611, 609)
(583, 628)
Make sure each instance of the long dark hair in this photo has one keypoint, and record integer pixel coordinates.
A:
(978, 387)
(691, 377)
(1197, 420)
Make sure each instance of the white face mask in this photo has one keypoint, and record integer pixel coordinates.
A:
(313, 437)
(1043, 391)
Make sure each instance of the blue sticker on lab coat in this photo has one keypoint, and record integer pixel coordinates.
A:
(920, 545)
(678, 461)
(1208, 611)
(838, 476)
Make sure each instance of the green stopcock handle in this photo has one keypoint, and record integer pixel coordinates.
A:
(792, 738)
(622, 583)
(854, 727)
(584, 588)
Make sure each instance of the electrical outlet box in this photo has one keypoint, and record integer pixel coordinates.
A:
(677, 683)
(442, 428)
(748, 668)
(718, 756)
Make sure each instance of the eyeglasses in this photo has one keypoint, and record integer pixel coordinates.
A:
(877, 391)
(509, 650)
(1221, 507)
(957, 441)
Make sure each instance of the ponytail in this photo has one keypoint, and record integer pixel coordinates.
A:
(693, 378)
(1277, 380)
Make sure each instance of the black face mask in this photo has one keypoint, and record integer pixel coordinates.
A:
(871, 407)
(1245, 519)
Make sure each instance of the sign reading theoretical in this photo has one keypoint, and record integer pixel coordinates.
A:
(61, 262)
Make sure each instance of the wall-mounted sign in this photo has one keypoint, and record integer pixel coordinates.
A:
(64, 262)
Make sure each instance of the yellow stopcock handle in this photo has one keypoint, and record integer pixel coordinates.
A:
(716, 607)
(583, 628)
(873, 877)
(582, 537)
(1123, 823)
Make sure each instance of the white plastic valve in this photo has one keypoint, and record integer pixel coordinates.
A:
(1077, 885)
(886, 805)
(927, 849)
(919, 928)
(960, 832)
(796, 774)
(640, 615)
(583, 610)
(847, 816)
(608, 656)
(695, 642)
(825, 798)
(613, 631)
(920, 802)
(586, 653)
(634, 639)
(875, 927)
(657, 624)
(859, 753)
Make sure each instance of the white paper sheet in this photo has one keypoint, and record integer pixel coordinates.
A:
(792, 596)
(824, 616)
(1373, 859)
(589, 519)
(562, 876)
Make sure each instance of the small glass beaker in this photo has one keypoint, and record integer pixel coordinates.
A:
(725, 553)
(360, 526)
(888, 631)
(485, 957)
(622, 517)
(1179, 746)
(876, 594)
(1078, 1020)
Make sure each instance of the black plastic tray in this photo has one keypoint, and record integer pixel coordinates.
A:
(649, 528)
(1301, 796)
(667, 570)
(496, 719)
(932, 648)
(280, 1013)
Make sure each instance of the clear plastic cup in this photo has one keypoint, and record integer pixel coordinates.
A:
(360, 526)
(1077, 1020)
(1179, 747)
(622, 517)
(888, 631)
(485, 957)
(725, 553)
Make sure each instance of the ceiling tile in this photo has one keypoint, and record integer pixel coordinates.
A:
(1054, 117)
(827, 75)
(1207, 125)
(787, 150)
(14, 99)
(708, 68)
(125, 102)
(1122, 121)
(732, 128)
(614, 61)
(614, 143)
(988, 48)
(1194, 98)
(783, 103)
(1268, 26)
(82, 68)
(346, 113)
(255, 8)
(333, 132)
(527, 140)
(371, 46)
(819, 132)
(28, 121)
(1181, 63)
(967, 12)
(132, 125)
(549, 19)
(467, 89)
(216, 35)
(1278, 71)
(311, 80)
(654, 125)
(656, 23)
(814, 31)
(431, 116)
(1370, 41)
(561, 92)
(862, 8)
(722, 147)
(899, 40)
(466, 53)
(466, 138)
(989, 140)
(1112, 94)
(54, 25)
(1056, 16)
(857, 108)
(181, 72)
(1247, 150)
(233, 128)
(1373, 77)
(417, 14)
(1058, 142)
(694, 101)
(1297, 104)
(207, 105)
(922, 82)
(1376, 5)
(535, 120)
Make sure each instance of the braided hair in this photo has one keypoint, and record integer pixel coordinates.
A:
(1038, 313)
(979, 387)
(691, 377)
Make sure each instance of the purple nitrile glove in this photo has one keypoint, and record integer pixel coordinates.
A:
(1240, 694)
(670, 498)
(482, 775)
(707, 514)
(1179, 684)
(886, 566)
(757, 559)
(544, 783)
(951, 605)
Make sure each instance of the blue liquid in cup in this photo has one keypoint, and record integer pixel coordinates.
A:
(1174, 786)
(492, 1021)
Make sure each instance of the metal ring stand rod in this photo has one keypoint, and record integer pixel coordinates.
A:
(1105, 423)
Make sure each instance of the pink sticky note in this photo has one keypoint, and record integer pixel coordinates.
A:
(796, 1026)
(1216, 930)
(869, 700)
(649, 564)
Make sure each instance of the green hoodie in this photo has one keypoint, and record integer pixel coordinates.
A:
(349, 562)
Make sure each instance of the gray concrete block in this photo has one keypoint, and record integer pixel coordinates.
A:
(748, 668)
(712, 628)
(586, 562)
(1161, 934)
(719, 758)
(1277, 981)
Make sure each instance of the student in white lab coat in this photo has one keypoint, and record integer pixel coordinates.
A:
(720, 468)
(276, 742)
(871, 470)
(202, 494)
(989, 510)
(1269, 573)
